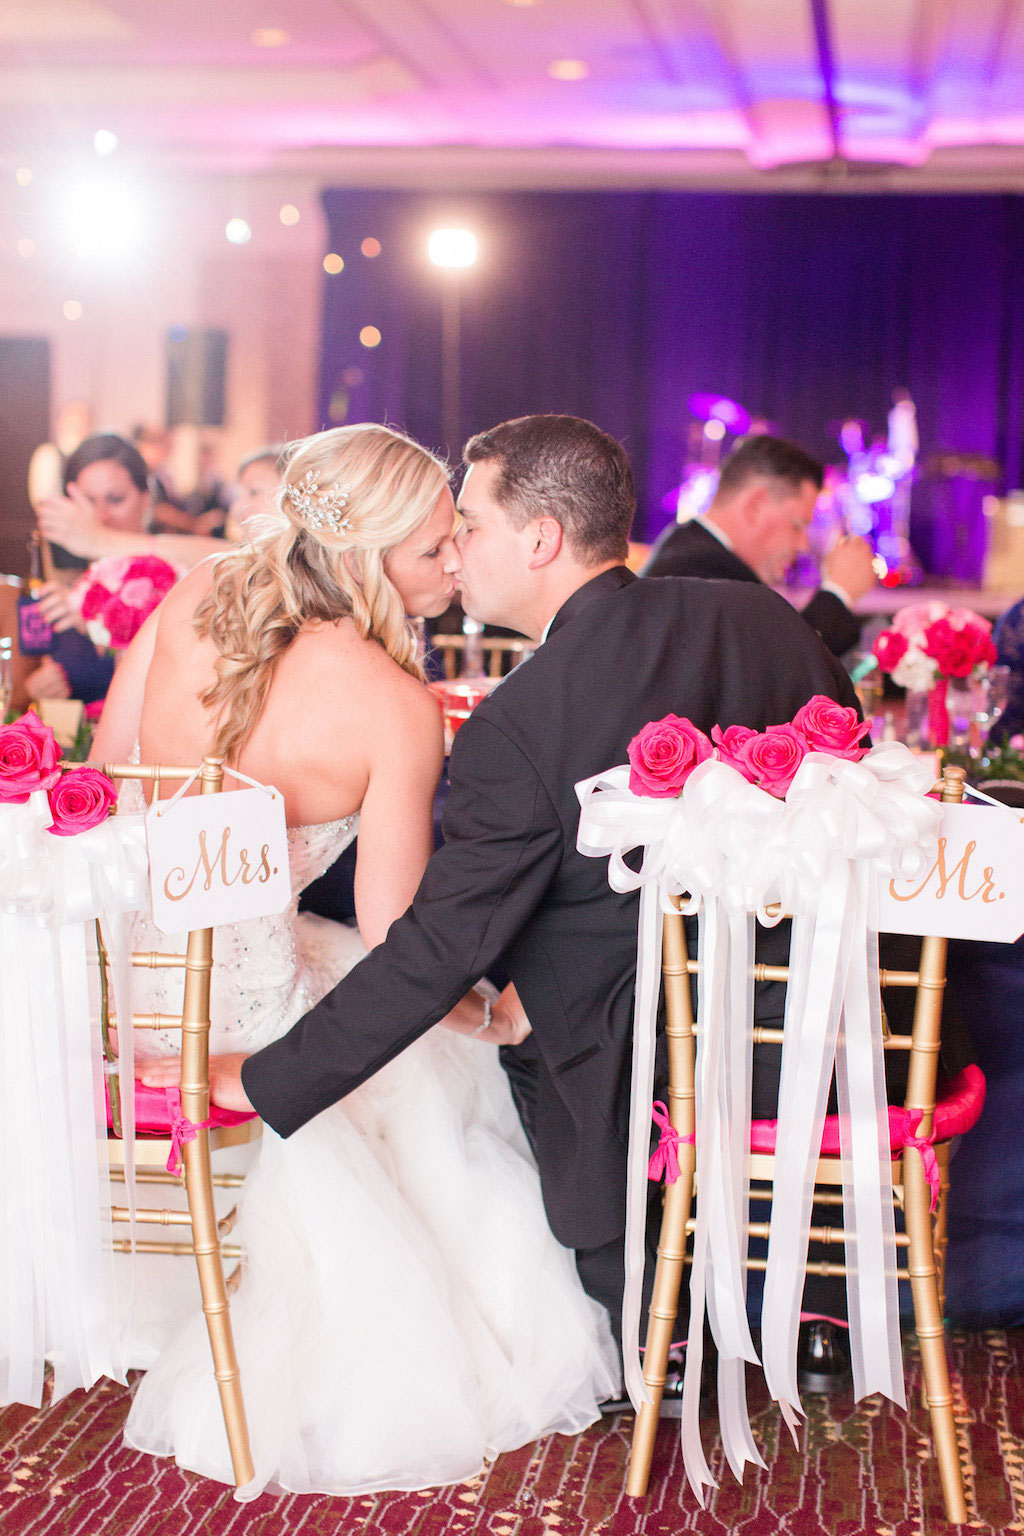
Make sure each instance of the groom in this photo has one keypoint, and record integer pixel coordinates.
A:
(547, 505)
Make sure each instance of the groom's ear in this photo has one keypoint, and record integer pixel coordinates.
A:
(547, 538)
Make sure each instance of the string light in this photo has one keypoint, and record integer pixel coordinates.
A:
(23, 176)
(333, 264)
(104, 142)
(26, 247)
(370, 247)
(269, 37)
(72, 309)
(369, 336)
(452, 248)
(238, 231)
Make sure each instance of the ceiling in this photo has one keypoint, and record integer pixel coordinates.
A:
(646, 89)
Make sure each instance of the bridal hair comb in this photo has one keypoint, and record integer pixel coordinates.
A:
(317, 508)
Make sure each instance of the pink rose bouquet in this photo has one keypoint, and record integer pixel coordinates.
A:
(81, 798)
(664, 754)
(29, 759)
(116, 596)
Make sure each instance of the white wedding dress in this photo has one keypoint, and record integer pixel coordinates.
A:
(404, 1311)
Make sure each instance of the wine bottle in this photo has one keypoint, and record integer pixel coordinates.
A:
(35, 635)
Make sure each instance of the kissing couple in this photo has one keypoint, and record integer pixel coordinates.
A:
(434, 1246)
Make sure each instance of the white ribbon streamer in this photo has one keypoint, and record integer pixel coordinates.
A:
(730, 850)
(56, 1280)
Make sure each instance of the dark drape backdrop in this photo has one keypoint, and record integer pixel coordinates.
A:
(619, 305)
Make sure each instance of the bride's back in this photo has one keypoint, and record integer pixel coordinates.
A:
(335, 705)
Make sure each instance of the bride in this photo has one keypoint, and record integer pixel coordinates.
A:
(404, 1311)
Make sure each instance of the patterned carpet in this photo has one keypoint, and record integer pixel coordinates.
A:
(64, 1472)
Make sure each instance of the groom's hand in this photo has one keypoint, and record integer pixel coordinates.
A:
(226, 1089)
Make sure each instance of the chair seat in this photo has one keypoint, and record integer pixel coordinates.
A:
(958, 1104)
(154, 1114)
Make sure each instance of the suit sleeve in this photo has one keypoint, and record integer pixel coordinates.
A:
(503, 845)
(837, 626)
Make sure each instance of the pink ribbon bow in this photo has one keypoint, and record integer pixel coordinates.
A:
(182, 1130)
(927, 1151)
(664, 1161)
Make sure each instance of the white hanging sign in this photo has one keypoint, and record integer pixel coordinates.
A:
(217, 858)
(974, 889)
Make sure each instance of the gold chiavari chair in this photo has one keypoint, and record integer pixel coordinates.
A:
(501, 652)
(921, 1246)
(189, 1143)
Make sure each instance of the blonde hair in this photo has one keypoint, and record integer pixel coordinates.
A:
(288, 571)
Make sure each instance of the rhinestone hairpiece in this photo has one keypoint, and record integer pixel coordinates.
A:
(320, 509)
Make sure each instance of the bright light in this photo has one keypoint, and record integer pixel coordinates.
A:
(873, 488)
(104, 142)
(333, 263)
(452, 248)
(238, 231)
(269, 37)
(715, 430)
(370, 336)
(105, 218)
(568, 69)
(289, 214)
(26, 247)
(23, 176)
(72, 309)
(370, 247)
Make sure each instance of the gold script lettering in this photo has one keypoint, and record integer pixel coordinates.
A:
(207, 865)
(945, 876)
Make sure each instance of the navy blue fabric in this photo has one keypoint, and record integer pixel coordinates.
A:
(985, 1259)
(619, 305)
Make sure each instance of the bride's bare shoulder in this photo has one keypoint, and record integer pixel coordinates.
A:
(348, 674)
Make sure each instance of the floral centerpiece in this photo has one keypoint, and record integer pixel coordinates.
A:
(79, 798)
(117, 595)
(928, 644)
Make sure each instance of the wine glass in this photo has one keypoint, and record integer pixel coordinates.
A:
(993, 697)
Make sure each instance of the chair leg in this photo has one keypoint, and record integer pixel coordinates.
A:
(661, 1320)
(206, 1242)
(931, 1334)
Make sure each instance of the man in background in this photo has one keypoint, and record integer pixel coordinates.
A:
(757, 525)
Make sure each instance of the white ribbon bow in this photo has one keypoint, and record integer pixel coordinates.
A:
(731, 850)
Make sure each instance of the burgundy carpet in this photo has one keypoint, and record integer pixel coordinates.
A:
(866, 1469)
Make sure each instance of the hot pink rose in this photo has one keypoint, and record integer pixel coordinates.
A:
(29, 756)
(730, 743)
(830, 727)
(82, 798)
(773, 757)
(890, 649)
(664, 754)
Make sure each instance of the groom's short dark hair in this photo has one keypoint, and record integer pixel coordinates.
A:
(566, 468)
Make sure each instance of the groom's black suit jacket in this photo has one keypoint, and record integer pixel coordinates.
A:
(508, 881)
(688, 549)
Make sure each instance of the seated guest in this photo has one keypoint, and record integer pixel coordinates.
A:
(106, 479)
(256, 486)
(757, 525)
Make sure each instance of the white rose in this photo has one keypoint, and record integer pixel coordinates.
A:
(915, 670)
